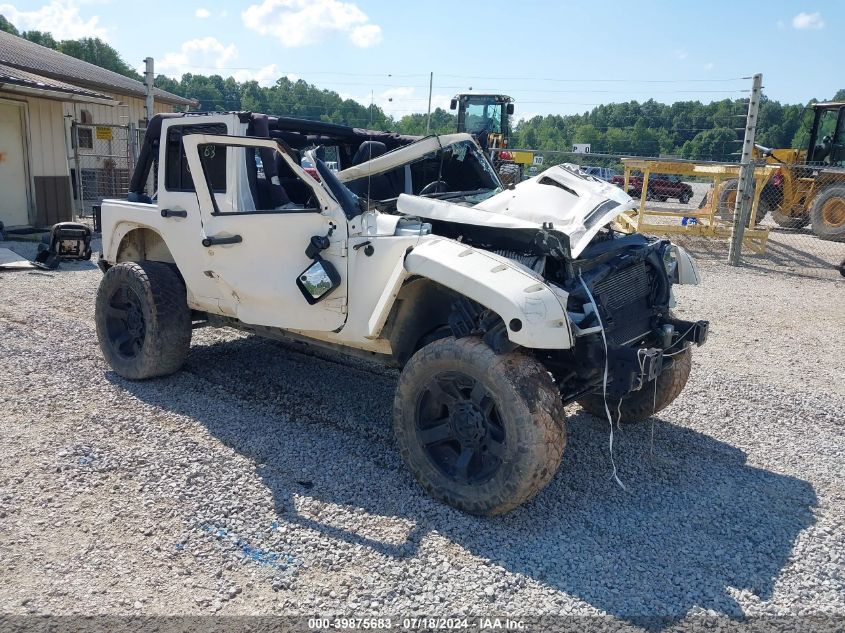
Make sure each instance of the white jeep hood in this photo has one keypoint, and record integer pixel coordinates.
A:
(575, 204)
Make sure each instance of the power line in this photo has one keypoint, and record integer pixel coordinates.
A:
(301, 73)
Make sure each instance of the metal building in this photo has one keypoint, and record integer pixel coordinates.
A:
(66, 132)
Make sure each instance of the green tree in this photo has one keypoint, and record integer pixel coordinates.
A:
(39, 37)
(7, 26)
(716, 144)
(97, 52)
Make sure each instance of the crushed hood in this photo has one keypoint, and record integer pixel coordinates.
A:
(576, 204)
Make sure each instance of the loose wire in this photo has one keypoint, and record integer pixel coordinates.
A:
(604, 383)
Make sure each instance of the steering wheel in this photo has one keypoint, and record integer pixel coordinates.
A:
(438, 186)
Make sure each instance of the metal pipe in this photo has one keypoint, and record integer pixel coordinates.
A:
(428, 120)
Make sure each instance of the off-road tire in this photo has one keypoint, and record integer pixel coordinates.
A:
(153, 292)
(641, 405)
(727, 200)
(528, 407)
(685, 197)
(827, 213)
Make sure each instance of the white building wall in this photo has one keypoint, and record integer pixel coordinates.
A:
(50, 155)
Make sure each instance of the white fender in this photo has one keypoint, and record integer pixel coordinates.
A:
(534, 314)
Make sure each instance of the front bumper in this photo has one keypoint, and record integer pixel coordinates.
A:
(630, 368)
(691, 331)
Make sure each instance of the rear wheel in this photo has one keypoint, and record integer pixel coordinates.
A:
(685, 197)
(143, 320)
(481, 431)
(827, 213)
(652, 397)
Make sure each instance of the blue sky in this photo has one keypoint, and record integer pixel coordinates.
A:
(552, 57)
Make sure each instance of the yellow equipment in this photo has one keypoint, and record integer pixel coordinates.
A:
(487, 118)
(809, 185)
(706, 221)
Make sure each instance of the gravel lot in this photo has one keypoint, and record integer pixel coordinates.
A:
(260, 480)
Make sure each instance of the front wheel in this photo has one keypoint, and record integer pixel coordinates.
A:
(143, 320)
(481, 431)
(654, 396)
(827, 213)
(727, 204)
(685, 197)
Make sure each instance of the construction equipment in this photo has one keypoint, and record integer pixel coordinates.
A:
(487, 118)
(708, 220)
(809, 185)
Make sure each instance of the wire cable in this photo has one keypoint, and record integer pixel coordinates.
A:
(604, 382)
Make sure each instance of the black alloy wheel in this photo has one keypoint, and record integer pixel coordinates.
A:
(125, 325)
(460, 428)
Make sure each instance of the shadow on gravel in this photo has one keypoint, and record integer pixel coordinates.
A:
(695, 524)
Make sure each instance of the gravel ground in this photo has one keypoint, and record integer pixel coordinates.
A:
(260, 480)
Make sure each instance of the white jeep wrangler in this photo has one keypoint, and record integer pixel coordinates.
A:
(500, 305)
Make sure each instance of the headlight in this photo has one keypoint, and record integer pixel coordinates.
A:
(670, 262)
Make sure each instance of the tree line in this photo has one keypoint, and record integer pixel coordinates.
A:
(687, 129)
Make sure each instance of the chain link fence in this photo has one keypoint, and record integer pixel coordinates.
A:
(796, 221)
(102, 164)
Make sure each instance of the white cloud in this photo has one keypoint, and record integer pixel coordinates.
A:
(527, 116)
(202, 13)
(59, 17)
(366, 36)
(303, 22)
(808, 21)
(200, 56)
(401, 100)
(208, 55)
(265, 76)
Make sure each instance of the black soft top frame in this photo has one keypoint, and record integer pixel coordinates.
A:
(297, 133)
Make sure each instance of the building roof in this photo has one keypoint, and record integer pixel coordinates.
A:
(23, 55)
(15, 77)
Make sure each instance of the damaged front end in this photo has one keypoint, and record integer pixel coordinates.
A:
(617, 287)
(619, 306)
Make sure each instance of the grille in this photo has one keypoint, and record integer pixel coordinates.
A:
(625, 300)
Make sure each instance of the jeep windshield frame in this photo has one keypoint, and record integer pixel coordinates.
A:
(460, 147)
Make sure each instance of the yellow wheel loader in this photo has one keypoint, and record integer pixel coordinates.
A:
(809, 187)
(487, 118)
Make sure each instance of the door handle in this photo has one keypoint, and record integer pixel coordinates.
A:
(219, 241)
(174, 213)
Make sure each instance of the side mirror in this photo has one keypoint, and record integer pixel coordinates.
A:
(318, 280)
(453, 104)
(510, 108)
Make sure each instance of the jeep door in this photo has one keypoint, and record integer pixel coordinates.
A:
(255, 231)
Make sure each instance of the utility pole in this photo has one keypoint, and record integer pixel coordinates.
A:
(430, 85)
(745, 186)
(149, 80)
